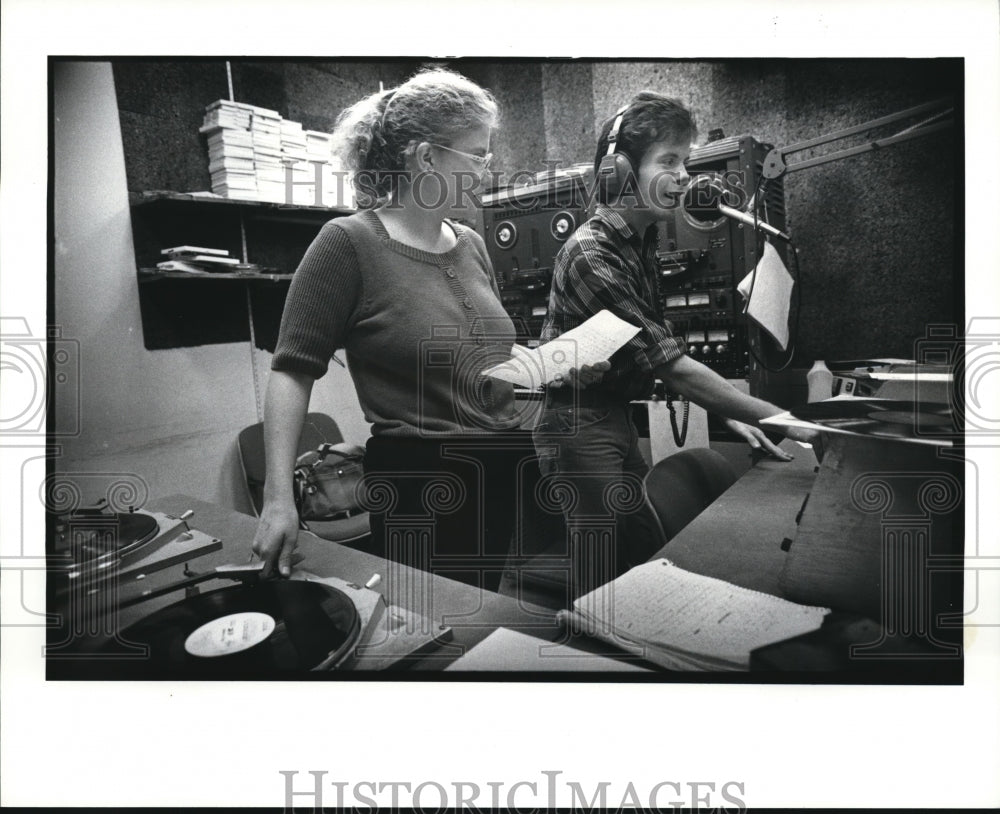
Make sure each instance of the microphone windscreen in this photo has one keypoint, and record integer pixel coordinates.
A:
(703, 197)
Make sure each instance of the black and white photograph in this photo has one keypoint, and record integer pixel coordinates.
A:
(624, 407)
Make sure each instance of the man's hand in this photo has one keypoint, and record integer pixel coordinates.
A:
(584, 377)
(756, 438)
(800, 434)
(276, 537)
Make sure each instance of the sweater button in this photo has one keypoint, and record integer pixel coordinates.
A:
(467, 302)
(450, 272)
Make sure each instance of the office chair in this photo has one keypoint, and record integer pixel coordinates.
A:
(318, 428)
(678, 488)
(681, 486)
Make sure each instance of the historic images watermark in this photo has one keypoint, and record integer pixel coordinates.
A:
(40, 406)
(549, 790)
(72, 555)
(37, 370)
(462, 189)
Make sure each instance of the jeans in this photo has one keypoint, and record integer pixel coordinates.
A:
(588, 455)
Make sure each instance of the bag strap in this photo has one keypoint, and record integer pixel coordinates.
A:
(344, 450)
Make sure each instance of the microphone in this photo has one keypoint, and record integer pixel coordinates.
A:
(704, 202)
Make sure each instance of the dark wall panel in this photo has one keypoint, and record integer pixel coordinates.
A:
(569, 112)
(519, 144)
(877, 231)
(161, 106)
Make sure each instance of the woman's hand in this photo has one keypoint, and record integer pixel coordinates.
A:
(756, 438)
(276, 537)
(584, 377)
(284, 413)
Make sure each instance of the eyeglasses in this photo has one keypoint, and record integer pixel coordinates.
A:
(482, 160)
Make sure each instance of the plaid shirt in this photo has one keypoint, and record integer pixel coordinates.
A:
(606, 265)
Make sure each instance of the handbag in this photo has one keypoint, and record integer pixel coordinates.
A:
(326, 482)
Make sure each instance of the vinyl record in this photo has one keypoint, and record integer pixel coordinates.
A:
(881, 418)
(268, 630)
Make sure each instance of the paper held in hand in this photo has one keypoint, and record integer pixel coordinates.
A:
(592, 342)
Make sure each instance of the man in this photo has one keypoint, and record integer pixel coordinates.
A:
(585, 437)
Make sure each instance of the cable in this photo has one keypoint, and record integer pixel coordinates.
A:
(681, 436)
(756, 206)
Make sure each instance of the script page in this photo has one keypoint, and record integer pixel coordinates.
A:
(771, 295)
(593, 341)
(664, 606)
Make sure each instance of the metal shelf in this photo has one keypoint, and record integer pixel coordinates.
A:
(157, 196)
(150, 275)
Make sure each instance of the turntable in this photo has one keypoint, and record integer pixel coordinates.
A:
(883, 418)
(907, 421)
(90, 546)
(304, 626)
(898, 379)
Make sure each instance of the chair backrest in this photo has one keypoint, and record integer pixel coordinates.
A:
(681, 486)
(318, 429)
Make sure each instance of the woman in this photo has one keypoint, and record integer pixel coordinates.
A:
(410, 295)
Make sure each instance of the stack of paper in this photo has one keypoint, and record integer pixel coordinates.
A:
(223, 114)
(256, 154)
(197, 260)
(335, 188)
(293, 141)
(318, 145)
(302, 177)
(230, 152)
(265, 130)
(686, 621)
(318, 151)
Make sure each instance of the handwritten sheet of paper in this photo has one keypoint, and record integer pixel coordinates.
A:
(772, 295)
(685, 618)
(593, 341)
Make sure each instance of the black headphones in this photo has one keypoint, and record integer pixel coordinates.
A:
(615, 167)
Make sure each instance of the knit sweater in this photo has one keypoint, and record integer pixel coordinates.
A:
(417, 328)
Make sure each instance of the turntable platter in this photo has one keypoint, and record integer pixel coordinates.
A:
(265, 630)
(88, 535)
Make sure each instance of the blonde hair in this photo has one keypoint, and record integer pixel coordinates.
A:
(374, 136)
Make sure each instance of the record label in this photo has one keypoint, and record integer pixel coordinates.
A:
(229, 634)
